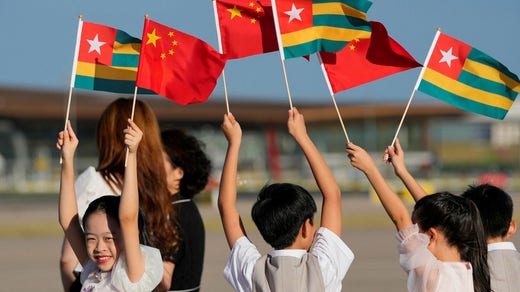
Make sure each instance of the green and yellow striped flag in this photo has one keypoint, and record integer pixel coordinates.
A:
(106, 59)
(309, 26)
(467, 78)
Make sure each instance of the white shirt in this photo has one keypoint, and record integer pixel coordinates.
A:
(334, 257)
(89, 186)
(506, 245)
(425, 271)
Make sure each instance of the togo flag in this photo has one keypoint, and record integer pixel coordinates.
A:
(467, 78)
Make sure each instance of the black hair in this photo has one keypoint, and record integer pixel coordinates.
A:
(187, 152)
(110, 206)
(495, 207)
(279, 212)
(459, 220)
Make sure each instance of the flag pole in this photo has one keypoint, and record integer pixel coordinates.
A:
(329, 86)
(132, 118)
(72, 75)
(220, 50)
(280, 49)
(74, 66)
(425, 64)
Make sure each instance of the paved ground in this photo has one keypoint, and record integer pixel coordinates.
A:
(30, 241)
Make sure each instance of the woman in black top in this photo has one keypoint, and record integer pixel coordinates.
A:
(188, 169)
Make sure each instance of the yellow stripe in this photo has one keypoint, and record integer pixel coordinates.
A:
(106, 72)
(468, 92)
(322, 32)
(133, 48)
(337, 8)
(490, 73)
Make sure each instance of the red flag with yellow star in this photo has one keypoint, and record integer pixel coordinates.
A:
(246, 27)
(177, 65)
(366, 60)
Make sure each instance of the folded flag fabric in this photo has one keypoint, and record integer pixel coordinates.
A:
(366, 60)
(467, 78)
(246, 27)
(107, 59)
(310, 26)
(177, 65)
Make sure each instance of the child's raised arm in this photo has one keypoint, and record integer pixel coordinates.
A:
(68, 207)
(331, 208)
(129, 206)
(395, 156)
(393, 205)
(227, 197)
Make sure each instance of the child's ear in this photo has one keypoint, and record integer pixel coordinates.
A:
(512, 229)
(307, 228)
(433, 235)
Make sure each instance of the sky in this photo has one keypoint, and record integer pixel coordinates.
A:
(38, 40)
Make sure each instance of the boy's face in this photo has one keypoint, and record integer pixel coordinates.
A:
(101, 240)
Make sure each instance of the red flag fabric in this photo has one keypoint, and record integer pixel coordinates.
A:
(246, 27)
(366, 60)
(177, 65)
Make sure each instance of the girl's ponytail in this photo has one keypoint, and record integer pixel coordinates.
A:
(459, 220)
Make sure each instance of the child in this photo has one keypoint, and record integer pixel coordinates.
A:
(303, 259)
(442, 246)
(109, 249)
(496, 210)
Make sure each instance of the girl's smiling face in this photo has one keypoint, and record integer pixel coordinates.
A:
(101, 239)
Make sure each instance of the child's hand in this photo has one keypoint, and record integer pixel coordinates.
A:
(67, 142)
(231, 128)
(133, 136)
(395, 155)
(359, 158)
(296, 124)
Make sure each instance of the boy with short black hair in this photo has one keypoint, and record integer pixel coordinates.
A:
(496, 210)
(302, 259)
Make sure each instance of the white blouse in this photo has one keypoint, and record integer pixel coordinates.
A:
(425, 272)
(117, 279)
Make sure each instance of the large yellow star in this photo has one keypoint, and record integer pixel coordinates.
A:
(152, 38)
(235, 12)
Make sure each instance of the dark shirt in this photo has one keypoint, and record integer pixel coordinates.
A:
(189, 259)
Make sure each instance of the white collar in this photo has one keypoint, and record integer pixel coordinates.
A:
(297, 253)
(506, 245)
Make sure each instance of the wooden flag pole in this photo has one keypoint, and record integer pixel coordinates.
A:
(332, 96)
(430, 51)
(280, 49)
(72, 76)
(132, 118)
(220, 50)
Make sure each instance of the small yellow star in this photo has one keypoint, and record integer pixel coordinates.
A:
(171, 52)
(163, 56)
(258, 10)
(152, 38)
(235, 12)
(175, 43)
(251, 4)
(170, 34)
(253, 20)
(352, 47)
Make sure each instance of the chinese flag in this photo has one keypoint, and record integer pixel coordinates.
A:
(176, 65)
(246, 27)
(366, 60)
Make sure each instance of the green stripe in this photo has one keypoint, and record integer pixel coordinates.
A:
(116, 86)
(312, 47)
(361, 5)
(487, 85)
(342, 21)
(124, 38)
(480, 57)
(125, 60)
(461, 102)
